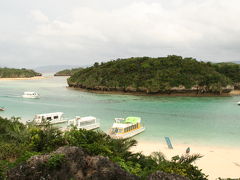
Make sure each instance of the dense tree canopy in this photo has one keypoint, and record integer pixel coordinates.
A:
(67, 72)
(152, 75)
(17, 73)
(230, 70)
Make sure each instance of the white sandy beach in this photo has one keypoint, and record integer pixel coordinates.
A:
(217, 162)
(31, 78)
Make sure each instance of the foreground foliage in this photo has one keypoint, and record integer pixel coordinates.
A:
(17, 73)
(156, 75)
(19, 142)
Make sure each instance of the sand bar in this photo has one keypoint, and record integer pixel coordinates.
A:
(217, 162)
(30, 78)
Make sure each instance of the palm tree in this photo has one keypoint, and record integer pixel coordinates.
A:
(186, 158)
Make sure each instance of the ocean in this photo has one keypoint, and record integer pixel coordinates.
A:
(198, 120)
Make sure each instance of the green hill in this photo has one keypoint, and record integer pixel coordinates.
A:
(17, 73)
(67, 72)
(172, 74)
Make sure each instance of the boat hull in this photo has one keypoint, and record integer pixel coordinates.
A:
(90, 127)
(30, 97)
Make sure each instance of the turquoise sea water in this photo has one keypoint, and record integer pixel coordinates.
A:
(203, 120)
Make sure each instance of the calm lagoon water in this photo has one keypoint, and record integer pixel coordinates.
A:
(201, 120)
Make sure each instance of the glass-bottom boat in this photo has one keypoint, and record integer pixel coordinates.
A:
(126, 128)
(88, 123)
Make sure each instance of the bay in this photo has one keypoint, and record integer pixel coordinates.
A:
(199, 120)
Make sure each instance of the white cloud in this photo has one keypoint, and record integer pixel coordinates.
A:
(205, 29)
(151, 23)
(39, 16)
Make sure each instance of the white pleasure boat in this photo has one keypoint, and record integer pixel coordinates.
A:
(52, 118)
(126, 128)
(87, 123)
(32, 95)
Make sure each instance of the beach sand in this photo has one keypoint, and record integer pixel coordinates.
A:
(216, 162)
(15, 79)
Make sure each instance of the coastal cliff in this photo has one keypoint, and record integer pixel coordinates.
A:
(164, 75)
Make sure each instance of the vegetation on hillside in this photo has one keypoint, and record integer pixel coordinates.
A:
(17, 73)
(19, 142)
(154, 75)
(230, 70)
(67, 72)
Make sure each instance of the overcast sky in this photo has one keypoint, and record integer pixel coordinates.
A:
(80, 32)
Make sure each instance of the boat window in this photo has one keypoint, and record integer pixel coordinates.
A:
(55, 117)
(119, 130)
(48, 118)
(86, 123)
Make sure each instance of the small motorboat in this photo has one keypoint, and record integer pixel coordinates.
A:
(238, 103)
(2, 109)
(32, 95)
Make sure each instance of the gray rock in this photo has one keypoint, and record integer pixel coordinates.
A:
(75, 165)
(165, 176)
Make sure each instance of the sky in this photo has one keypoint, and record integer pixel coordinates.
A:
(80, 32)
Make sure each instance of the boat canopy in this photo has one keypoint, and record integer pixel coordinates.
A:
(133, 120)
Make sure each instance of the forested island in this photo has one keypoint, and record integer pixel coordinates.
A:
(44, 152)
(17, 73)
(67, 72)
(163, 75)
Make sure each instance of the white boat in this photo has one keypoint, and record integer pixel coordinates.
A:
(87, 123)
(52, 118)
(238, 103)
(2, 109)
(126, 128)
(32, 95)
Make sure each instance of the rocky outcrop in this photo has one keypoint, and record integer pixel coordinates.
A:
(165, 176)
(69, 163)
(195, 90)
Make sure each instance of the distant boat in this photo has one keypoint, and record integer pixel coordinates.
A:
(2, 109)
(87, 123)
(31, 95)
(238, 102)
(126, 128)
(52, 118)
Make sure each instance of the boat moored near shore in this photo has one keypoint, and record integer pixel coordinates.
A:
(126, 128)
(87, 123)
(52, 118)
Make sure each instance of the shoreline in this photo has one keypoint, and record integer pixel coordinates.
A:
(232, 93)
(217, 161)
(25, 78)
